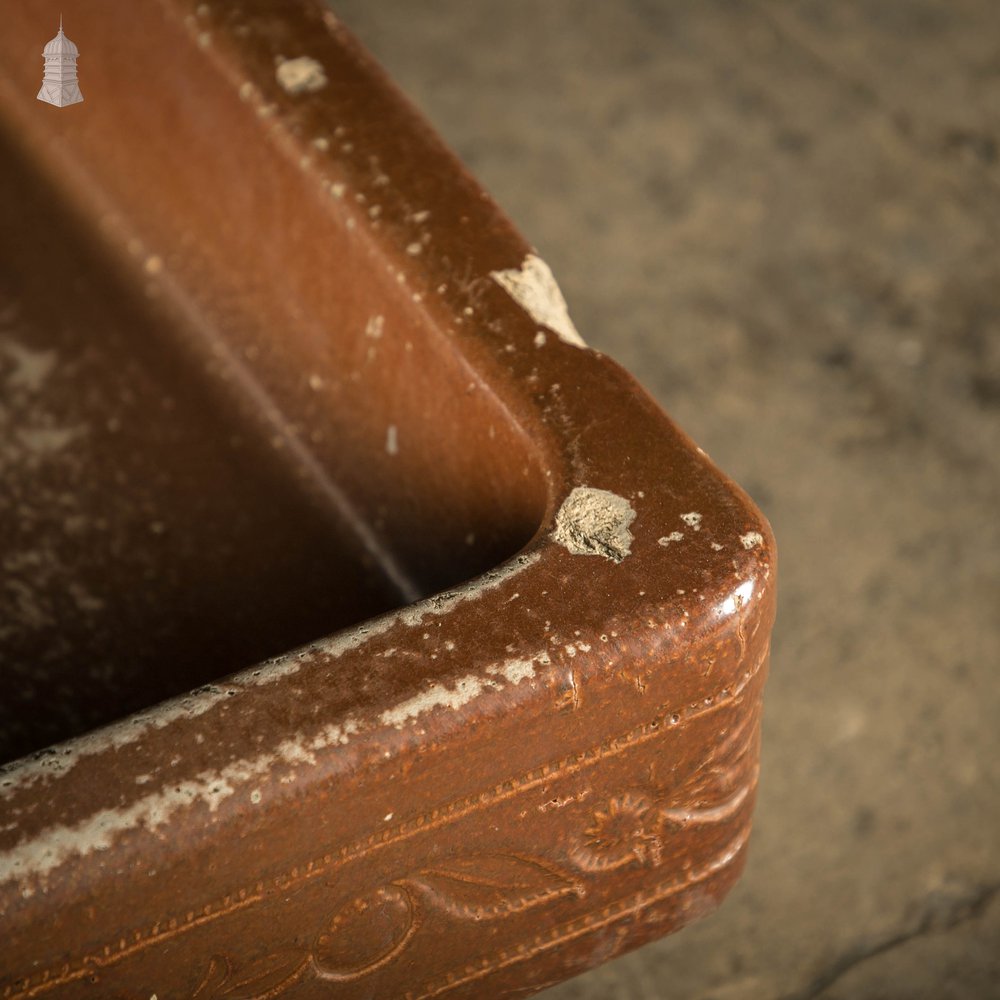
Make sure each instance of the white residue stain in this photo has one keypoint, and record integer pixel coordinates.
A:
(751, 539)
(533, 287)
(692, 520)
(304, 751)
(31, 368)
(300, 76)
(391, 440)
(462, 691)
(20, 775)
(674, 536)
(436, 696)
(516, 671)
(55, 845)
(27, 772)
(42, 440)
(374, 327)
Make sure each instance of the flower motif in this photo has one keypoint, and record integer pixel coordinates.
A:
(623, 832)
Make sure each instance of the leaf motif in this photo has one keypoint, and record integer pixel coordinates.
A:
(725, 772)
(486, 886)
(366, 933)
(717, 812)
(261, 979)
(219, 968)
(740, 740)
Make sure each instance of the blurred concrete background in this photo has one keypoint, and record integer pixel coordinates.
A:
(784, 218)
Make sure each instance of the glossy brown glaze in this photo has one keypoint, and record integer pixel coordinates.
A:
(275, 364)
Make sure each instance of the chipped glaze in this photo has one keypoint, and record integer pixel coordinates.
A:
(595, 522)
(533, 287)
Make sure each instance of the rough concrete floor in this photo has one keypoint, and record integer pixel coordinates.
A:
(784, 218)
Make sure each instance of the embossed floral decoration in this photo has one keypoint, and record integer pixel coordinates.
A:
(624, 831)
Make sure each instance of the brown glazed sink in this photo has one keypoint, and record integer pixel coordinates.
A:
(281, 385)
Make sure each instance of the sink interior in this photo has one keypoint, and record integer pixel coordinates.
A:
(169, 516)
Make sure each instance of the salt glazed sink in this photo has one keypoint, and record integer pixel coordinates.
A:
(281, 385)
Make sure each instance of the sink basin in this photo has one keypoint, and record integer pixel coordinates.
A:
(362, 632)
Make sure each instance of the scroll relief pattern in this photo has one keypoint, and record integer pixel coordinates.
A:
(634, 828)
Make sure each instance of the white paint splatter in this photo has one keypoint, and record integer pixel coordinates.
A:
(301, 76)
(674, 536)
(534, 289)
